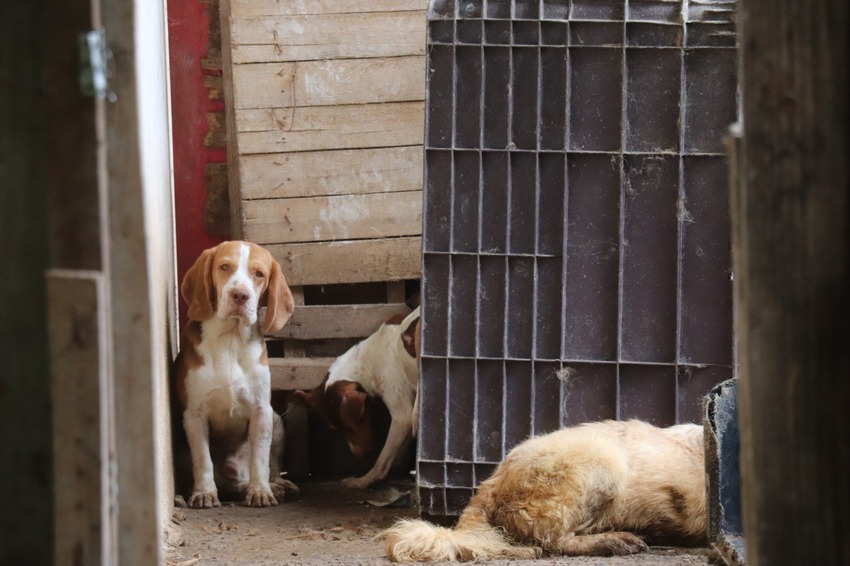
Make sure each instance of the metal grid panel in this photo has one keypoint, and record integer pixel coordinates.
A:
(576, 246)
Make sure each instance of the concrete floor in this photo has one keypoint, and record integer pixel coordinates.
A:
(329, 525)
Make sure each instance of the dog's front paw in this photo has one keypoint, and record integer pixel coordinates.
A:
(260, 497)
(623, 543)
(356, 483)
(204, 500)
(284, 490)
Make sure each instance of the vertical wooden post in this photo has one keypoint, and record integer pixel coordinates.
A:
(83, 448)
(791, 246)
(233, 173)
(26, 516)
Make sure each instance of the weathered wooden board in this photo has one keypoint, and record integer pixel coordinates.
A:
(79, 379)
(343, 217)
(329, 127)
(319, 322)
(336, 172)
(325, 103)
(322, 83)
(217, 203)
(298, 373)
(314, 37)
(247, 8)
(355, 261)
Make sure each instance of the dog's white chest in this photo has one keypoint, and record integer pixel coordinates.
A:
(231, 380)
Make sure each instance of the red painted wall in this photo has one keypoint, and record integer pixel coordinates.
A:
(188, 34)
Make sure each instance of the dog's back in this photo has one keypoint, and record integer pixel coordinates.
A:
(379, 363)
(581, 490)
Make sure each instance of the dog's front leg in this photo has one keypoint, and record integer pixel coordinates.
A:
(260, 436)
(204, 492)
(400, 433)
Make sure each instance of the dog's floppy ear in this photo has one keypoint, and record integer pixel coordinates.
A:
(410, 338)
(312, 398)
(278, 300)
(352, 406)
(198, 288)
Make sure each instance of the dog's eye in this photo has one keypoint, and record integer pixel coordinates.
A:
(224, 267)
(259, 275)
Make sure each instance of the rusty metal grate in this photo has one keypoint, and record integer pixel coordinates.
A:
(576, 246)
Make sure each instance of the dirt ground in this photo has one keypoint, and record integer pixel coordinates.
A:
(329, 525)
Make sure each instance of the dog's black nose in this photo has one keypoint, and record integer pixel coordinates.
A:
(240, 297)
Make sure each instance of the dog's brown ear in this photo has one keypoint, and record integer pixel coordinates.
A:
(278, 300)
(352, 406)
(410, 338)
(312, 398)
(302, 395)
(198, 288)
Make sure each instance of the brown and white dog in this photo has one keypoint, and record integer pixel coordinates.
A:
(586, 490)
(222, 380)
(383, 365)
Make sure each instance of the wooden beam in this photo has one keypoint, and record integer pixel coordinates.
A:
(267, 39)
(217, 203)
(234, 184)
(327, 83)
(138, 238)
(83, 452)
(31, 128)
(342, 217)
(279, 130)
(319, 322)
(294, 349)
(792, 274)
(298, 373)
(247, 8)
(333, 172)
(356, 261)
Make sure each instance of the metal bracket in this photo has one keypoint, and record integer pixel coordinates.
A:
(93, 64)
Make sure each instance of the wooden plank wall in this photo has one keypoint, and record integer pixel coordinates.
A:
(325, 109)
(327, 101)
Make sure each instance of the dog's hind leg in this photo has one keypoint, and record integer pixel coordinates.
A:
(282, 489)
(617, 543)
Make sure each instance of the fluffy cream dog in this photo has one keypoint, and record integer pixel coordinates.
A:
(586, 490)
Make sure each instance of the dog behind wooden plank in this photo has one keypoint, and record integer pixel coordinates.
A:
(384, 365)
(586, 490)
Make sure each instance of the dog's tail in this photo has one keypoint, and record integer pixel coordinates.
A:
(472, 539)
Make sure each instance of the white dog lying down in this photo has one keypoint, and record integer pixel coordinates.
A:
(586, 490)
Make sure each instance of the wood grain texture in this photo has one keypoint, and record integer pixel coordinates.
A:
(355, 261)
(315, 37)
(234, 184)
(298, 373)
(792, 273)
(217, 202)
(332, 82)
(329, 128)
(343, 217)
(332, 172)
(248, 8)
(320, 322)
(82, 448)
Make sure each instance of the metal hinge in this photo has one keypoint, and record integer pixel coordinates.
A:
(94, 74)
